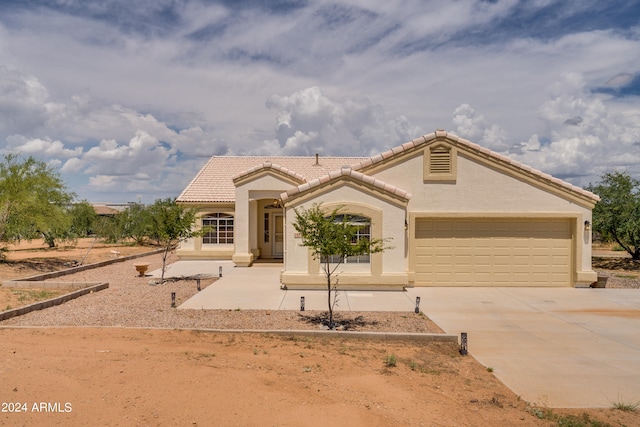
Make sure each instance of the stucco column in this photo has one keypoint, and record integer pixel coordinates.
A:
(585, 275)
(242, 256)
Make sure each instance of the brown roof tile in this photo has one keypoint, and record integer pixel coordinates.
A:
(463, 142)
(214, 182)
(346, 171)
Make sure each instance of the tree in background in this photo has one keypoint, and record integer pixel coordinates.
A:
(170, 224)
(616, 217)
(33, 198)
(111, 228)
(136, 222)
(57, 227)
(83, 219)
(332, 239)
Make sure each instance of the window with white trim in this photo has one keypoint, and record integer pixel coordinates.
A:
(364, 232)
(219, 229)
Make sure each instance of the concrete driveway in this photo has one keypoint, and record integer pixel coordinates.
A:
(559, 347)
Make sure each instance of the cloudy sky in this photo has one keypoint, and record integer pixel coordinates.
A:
(128, 99)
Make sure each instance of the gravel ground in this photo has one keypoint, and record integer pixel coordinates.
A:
(618, 280)
(621, 271)
(130, 301)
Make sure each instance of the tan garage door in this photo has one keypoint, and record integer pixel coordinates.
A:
(492, 252)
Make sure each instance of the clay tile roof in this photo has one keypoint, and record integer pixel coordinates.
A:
(214, 182)
(439, 134)
(105, 210)
(346, 171)
(269, 165)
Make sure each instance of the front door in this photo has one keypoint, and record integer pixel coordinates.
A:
(278, 235)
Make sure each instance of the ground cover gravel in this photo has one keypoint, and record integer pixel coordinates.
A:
(131, 301)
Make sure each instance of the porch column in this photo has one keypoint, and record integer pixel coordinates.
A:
(242, 256)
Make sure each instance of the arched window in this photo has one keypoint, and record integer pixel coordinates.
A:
(364, 232)
(219, 228)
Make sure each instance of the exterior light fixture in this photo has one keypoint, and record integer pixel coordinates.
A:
(301, 303)
(463, 344)
(173, 300)
(406, 225)
(587, 225)
(417, 309)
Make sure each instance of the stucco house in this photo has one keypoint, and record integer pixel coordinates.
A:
(454, 214)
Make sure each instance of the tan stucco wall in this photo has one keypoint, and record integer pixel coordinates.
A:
(248, 193)
(482, 190)
(387, 269)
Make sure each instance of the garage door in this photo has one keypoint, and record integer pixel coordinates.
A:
(492, 252)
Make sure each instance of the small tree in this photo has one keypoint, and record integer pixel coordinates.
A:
(617, 215)
(332, 239)
(169, 224)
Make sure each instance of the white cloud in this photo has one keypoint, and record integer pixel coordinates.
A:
(476, 128)
(350, 78)
(308, 122)
(22, 100)
(44, 147)
(72, 165)
(143, 153)
(103, 182)
(587, 134)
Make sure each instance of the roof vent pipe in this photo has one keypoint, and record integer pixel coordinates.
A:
(317, 160)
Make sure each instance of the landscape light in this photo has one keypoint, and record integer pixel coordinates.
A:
(220, 271)
(301, 303)
(463, 344)
(417, 310)
(173, 300)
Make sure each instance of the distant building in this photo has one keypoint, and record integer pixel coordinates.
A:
(104, 210)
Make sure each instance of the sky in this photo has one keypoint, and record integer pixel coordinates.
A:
(127, 100)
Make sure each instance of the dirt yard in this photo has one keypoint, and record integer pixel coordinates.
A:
(34, 257)
(29, 258)
(149, 377)
(113, 377)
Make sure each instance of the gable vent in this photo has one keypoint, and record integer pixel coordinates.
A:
(440, 161)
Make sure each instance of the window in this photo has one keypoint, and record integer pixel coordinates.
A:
(364, 232)
(220, 229)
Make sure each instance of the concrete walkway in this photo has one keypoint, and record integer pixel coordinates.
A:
(558, 347)
(258, 288)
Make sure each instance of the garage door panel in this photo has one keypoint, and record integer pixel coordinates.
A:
(496, 252)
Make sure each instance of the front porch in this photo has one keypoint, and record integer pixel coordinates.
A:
(259, 230)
